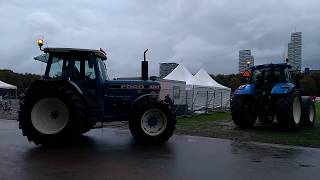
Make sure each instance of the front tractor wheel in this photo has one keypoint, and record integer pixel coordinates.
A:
(289, 111)
(52, 114)
(152, 122)
(309, 111)
(243, 111)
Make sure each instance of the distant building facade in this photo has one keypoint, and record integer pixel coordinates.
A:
(295, 50)
(166, 68)
(245, 58)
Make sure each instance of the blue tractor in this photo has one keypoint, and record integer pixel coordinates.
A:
(75, 93)
(272, 93)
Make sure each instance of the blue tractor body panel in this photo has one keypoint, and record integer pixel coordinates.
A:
(248, 89)
(282, 88)
(121, 95)
(129, 90)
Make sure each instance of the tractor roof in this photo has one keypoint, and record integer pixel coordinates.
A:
(98, 53)
(272, 65)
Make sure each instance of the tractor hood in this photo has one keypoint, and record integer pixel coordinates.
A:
(282, 88)
(248, 89)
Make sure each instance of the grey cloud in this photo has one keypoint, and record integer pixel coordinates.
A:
(198, 33)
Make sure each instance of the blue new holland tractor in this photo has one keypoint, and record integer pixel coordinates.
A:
(75, 93)
(272, 93)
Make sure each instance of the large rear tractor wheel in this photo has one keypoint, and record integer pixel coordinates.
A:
(152, 122)
(309, 111)
(243, 111)
(50, 115)
(289, 111)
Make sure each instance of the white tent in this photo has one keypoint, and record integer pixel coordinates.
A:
(7, 90)
(207, 93)
(4, 85)
(203, 92)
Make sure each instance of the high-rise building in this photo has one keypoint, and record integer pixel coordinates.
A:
(166, 68)
(245, 60)
(294, 50)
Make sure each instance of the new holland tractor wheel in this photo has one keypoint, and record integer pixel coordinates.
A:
(152, 122)
(289, 111)
(243, 111)
(309, 111)
(50, 115)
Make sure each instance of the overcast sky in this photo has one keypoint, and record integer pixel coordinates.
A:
(198, 33)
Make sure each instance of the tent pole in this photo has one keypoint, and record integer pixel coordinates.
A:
(207, 102)
(186, 109)
(214, 99)
(221, 101)
(192, 98)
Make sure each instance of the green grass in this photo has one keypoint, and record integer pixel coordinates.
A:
(220, 125)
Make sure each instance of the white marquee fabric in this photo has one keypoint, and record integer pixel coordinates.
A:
(180, 73)
(202, 91)
(202, 78)
(4, 85)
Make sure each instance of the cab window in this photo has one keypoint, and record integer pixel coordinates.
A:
(82, 70)
(89, 70)
(287, 75)
(103, 70)
(56, 68)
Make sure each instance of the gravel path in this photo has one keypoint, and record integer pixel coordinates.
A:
(10, 114)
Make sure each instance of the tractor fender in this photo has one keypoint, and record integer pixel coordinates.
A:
(282, 88)
(48, 82)
(248, 89)
(142, 98)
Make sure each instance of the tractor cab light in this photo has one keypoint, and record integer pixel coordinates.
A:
(40, 43)
(103, 51)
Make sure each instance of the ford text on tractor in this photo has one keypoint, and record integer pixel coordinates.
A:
(271, 94)
(75, 93)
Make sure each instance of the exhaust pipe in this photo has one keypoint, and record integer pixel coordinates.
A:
(144, 67)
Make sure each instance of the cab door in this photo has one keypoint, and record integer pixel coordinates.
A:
(84, 71)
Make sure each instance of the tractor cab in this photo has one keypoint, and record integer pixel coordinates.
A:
(265, 77)
(73, 64)
(83, 68)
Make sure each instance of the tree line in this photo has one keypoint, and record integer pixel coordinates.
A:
(310, 84)
(21, 80)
